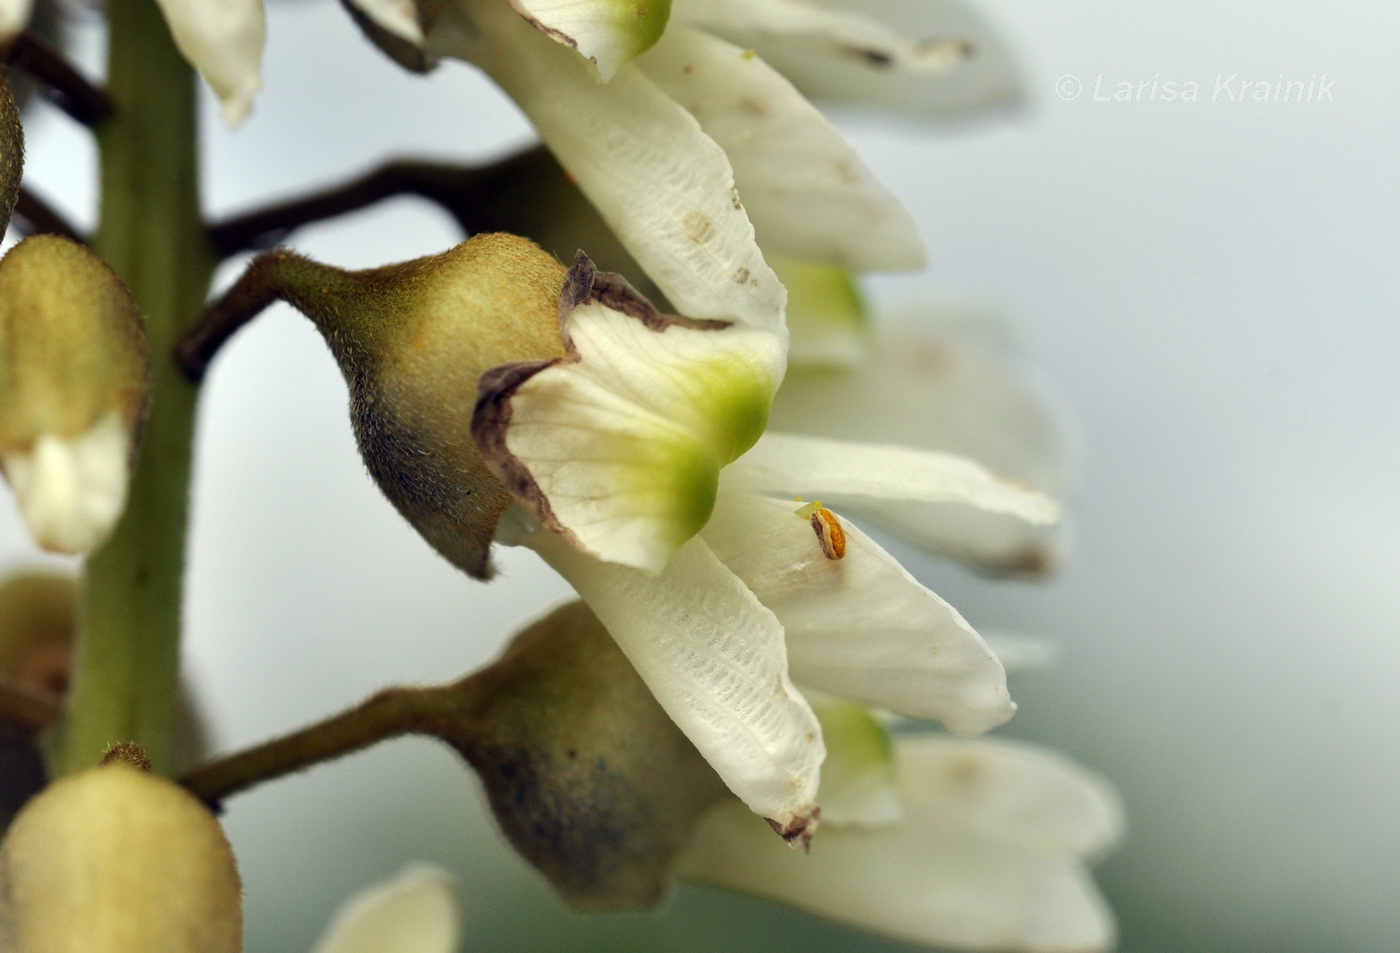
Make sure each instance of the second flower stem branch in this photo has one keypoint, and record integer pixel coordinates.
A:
(442, 711)
(480, 198)
(69, 89)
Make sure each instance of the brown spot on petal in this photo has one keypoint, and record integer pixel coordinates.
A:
(697, 226)
(876, 58)
(734, 200)
(966, 770)
(754, 106)
(798, 831)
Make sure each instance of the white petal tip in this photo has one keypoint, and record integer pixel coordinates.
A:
(236, 109)
(72, 491)
(412, 912)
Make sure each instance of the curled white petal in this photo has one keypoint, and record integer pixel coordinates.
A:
(413, 912)
(619, 446)
(813, 466)
(662, 185)
(860, 627)
(807, 192)
(607, 33)
(928, 57)
(990, 855)
(714, 658)
(14, 17)
(223, 40)
(71, 491)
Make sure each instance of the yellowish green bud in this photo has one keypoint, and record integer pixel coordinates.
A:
(74, 385)
(117, 860)
(588, 776)
(412, 340)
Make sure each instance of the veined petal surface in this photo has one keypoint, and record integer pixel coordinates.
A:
(817, 467)
(607, 33)
(860, 627)
(223, 40)
(413, 912)
(990, 856)
(619, 445)
(806, 191)
(714, 658)
(927, 57)
(662, 185)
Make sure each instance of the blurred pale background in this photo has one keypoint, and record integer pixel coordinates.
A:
(1211, 287)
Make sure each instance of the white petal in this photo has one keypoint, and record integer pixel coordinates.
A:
(828, 325)
(72, 491)
(989, 856)
(946, 380)
(619, 446)
(714, 658)
(812, 466)
(860, 627)
(607, 33)
(223, 40)
(399, 17)
(663, 186)
(806, 191)
(415, 912)
(14, 17)
(858, 775)
(930, 57)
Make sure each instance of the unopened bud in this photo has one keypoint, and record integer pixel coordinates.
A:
(412, 340)
(588, 776)
(116, 860)
(74, 384)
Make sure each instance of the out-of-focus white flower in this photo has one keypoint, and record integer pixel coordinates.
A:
(714, 588)
(222, 39)
(685, 149)
(979, 845)
(414, 911)
(930, 58)
(948, 379)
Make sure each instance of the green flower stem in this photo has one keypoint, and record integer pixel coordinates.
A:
(127, 666)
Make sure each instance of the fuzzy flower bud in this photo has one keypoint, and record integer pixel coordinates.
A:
(116, 860)
(412, 340)
(74, 385)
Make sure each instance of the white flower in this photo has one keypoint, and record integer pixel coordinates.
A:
(978, 845)
(413, 912)
(712, 588)
(685, 149)
(946, 379)
(222, 39)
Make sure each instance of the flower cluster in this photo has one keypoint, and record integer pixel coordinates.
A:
(499, 396)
